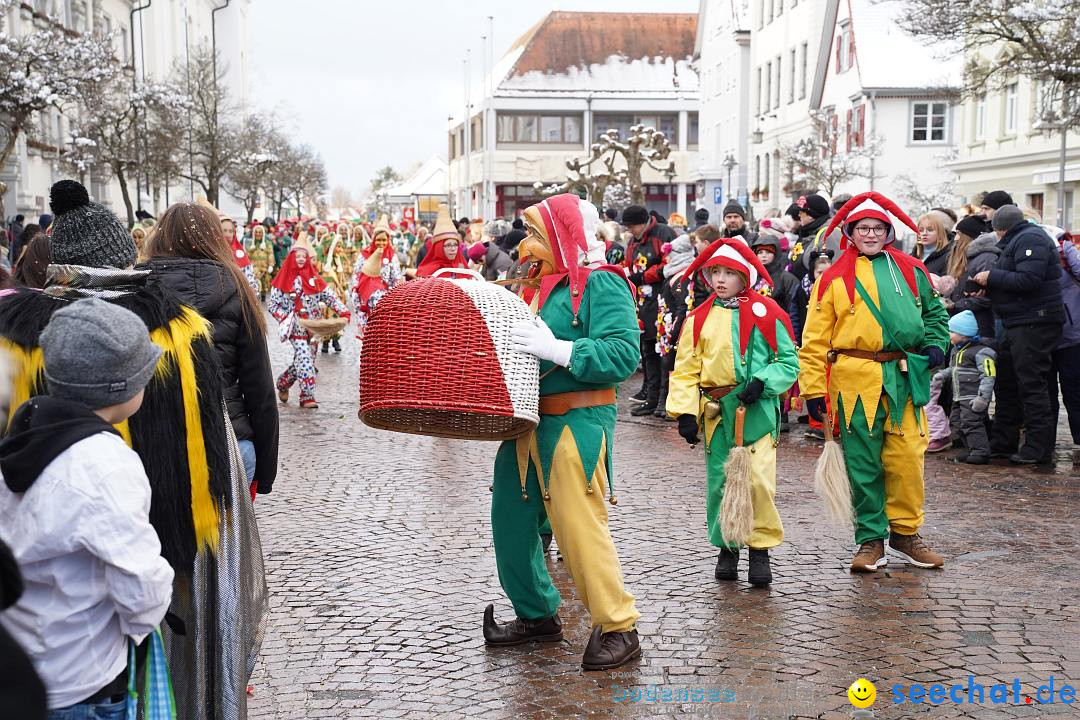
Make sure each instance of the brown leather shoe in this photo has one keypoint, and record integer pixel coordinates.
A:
(914, 550)
(610, 650)
(870, 557)
(519, 631)
(283, 396)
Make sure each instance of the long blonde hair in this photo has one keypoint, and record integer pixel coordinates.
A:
(958, 259)
(934, 221)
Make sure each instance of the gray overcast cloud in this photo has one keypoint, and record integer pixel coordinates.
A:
(370, 84)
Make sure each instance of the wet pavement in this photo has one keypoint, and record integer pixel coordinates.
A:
(380, 562)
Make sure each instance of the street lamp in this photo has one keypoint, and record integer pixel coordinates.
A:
(729, 164)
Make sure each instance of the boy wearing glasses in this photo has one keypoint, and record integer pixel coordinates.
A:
(875, 321)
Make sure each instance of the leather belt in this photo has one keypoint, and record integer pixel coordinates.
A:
(716, 393)
(880, 356)
(562, 403)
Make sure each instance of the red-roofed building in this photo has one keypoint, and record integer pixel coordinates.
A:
(569, 78)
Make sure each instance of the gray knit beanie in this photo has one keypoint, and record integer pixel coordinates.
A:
(1007, 217)
(86, 233)
(97, 353)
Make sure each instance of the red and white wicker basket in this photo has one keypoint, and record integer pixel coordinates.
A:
(437, 360)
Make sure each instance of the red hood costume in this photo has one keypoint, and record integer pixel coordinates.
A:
(286, 276)
(369, 280)
(736, 255)
(436, 259)
(573, 250)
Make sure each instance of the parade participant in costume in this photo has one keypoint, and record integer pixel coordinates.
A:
(375, 273)
(337, 273)
(445, 250)
(874, 330)
(228, 231)
(138, 235)
(282, 243)
(296, 294)
(586, 338)
(261, 254)
(814, 214)
(736, 351)
(199, 506)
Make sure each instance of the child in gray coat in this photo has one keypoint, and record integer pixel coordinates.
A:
(972, 371)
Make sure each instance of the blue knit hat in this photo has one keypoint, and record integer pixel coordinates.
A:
(964, 323)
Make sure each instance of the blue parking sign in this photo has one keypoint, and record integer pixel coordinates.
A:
(717, 195)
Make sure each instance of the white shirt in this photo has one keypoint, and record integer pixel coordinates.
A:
(91, 563)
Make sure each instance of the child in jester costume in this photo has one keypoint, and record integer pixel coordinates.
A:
(736, 350)
(875, 319)
(586, 336)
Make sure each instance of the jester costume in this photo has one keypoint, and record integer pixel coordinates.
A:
(874, 323)
(336, 273)
(587, 340)
(261, 254)
(736, 353)
(298, 293)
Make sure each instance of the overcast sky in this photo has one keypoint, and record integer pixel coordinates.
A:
(370, 83)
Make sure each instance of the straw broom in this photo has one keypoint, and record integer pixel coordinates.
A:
(737, 508)
(831, 482)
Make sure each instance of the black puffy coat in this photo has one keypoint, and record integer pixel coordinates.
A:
(937, 262)
(245, 364)
(1024, 285)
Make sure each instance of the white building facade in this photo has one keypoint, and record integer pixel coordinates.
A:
(1002, 145)
(151, 41)
(907, 110)
(562, 84)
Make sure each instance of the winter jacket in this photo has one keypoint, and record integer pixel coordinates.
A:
(496, 262)
(644, 259)
(972, 371)
(1070, 293)
(982, 254)
(785, 285)
(1024, 285)
(937, 262)
(743, 232)
(75, 507)
(248, 382)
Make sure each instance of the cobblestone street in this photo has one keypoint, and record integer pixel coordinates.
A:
(380, 562)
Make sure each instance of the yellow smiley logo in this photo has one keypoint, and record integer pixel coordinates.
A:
(862, 693)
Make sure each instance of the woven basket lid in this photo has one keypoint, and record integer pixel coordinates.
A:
(437, 360)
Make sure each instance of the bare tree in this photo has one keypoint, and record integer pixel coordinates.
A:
(1038, 39)
(340, 197)
(308, 179)
(818, 163)
(109, 130)
(213, 133)
(919, 197)
(247, 178)
(49, 67)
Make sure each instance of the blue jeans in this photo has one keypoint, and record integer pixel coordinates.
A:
(247, 452)
(91, 711)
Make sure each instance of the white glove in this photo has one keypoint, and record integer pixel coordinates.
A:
(535, 337)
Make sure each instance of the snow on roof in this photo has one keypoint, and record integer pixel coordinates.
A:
(613, 52)
(887, 57)
(428, 179)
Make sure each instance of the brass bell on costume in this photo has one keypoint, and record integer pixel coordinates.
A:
(712, 410)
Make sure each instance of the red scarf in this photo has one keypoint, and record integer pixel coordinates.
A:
(286, 276)
(436, 260)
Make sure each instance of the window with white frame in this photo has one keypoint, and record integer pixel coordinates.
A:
(1010, 108)
(845, 48)
(757, 90)
(980, 117)
(776, 93)
(802, 70)
(530, 128)
(791, 76)
(768, 84)
(928, 122)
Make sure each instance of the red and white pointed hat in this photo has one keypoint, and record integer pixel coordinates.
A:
(734, 254)
(869, 205)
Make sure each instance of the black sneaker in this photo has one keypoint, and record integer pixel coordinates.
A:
(639, 396)
(1018, 459)
(727, 565)
(815, 434)
(641, 410)
(975, 459)
(760, 573)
